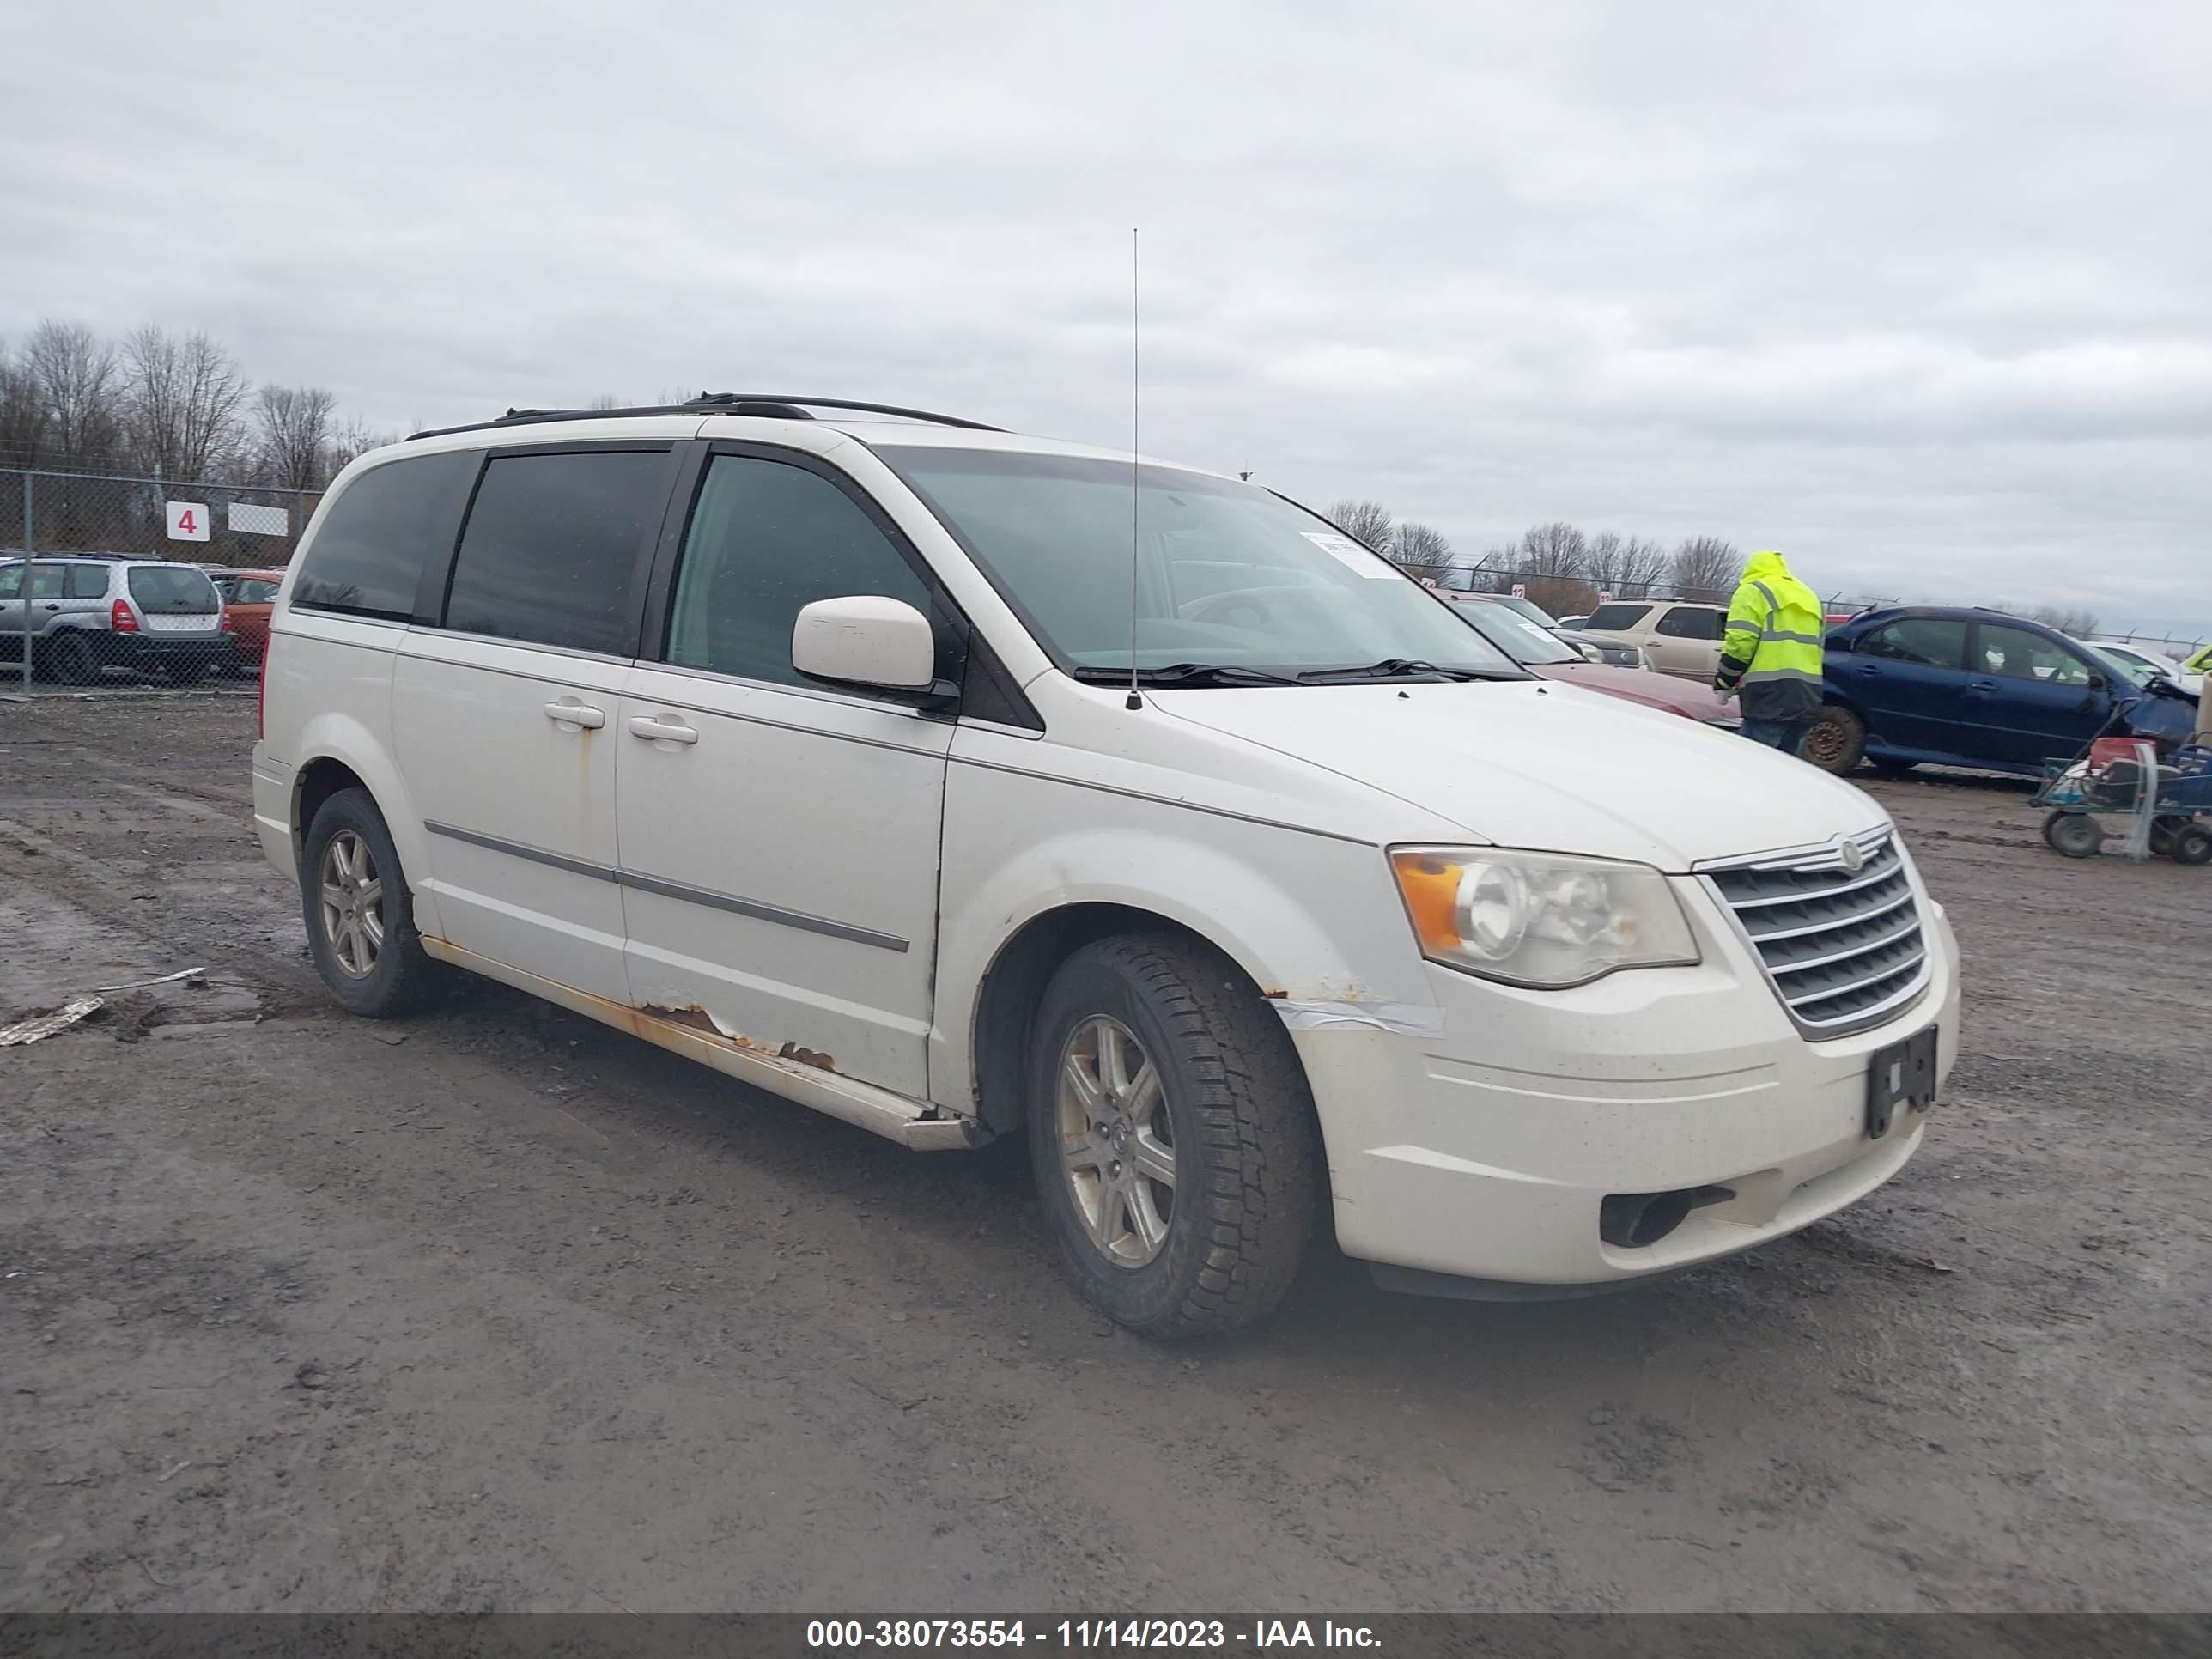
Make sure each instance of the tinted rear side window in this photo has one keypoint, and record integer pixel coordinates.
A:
(88, 582)
(171, 589)
(1616, 617)
(551, 551)
(367, 554)
(1689, 623)
(1931, 642)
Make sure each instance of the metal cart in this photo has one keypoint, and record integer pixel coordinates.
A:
(2163, 801)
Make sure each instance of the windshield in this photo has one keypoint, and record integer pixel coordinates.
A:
(1226, 573)
(1528, 644)
(2129, 666)
(1535, 612)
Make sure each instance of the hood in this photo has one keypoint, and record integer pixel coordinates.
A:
(1662, 691)
(1544, 765)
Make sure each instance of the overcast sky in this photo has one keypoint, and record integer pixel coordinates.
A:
(1915, 292)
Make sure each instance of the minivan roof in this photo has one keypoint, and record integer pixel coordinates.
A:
(873, 425)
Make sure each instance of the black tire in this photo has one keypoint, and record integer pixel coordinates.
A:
(1837, 741)
(1245, 1143)
(2192, 845)
(69, 657)
(2076, 834)
(403, 977)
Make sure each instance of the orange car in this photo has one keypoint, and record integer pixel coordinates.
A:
(247, 596)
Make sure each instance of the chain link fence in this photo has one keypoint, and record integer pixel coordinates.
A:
(105, 603)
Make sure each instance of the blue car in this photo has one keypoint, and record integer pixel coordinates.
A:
(1956, 687)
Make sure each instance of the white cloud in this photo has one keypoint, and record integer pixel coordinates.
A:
(1917, 292)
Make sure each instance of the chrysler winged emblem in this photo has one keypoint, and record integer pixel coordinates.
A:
(1852, 858)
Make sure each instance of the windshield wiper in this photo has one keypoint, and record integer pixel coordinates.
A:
(1186, 673)
(1401, 668)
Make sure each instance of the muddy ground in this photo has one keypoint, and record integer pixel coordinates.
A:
(501, 1310)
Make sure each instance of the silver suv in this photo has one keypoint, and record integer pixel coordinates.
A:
(91, 611)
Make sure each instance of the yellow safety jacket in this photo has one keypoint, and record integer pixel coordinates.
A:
(1771, 648)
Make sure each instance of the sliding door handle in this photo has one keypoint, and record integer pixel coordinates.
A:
(657, 728)
(582, 715)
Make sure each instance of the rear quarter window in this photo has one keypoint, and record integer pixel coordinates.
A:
(1687, 622)
(1616, 618)
(367, 554)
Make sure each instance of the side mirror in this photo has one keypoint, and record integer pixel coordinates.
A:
(865, 639)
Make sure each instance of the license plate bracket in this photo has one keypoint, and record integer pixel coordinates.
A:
(1901, 1077)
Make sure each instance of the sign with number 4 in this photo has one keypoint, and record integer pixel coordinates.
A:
(188, 521)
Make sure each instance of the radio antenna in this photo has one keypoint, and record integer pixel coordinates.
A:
(1136, 384)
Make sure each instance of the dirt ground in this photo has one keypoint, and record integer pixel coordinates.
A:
(501, 1310)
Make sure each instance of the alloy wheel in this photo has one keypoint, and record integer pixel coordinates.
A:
(352, 904)
(1116, 1145)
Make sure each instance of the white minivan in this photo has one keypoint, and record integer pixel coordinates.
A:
(960, 784)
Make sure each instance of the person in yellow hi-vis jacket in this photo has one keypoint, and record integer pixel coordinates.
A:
(1771, 653)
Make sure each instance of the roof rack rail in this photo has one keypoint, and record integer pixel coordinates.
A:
(709, 403)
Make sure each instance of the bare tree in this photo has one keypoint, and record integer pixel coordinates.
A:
(606, 400)
(293, 436)
(182, 402)
(23, 415)
(1706, 567)
(351, 437)
(1421, 546)
(1366, 522)
(2077, 620)
(1643, 566)
(1553, 550)
(72, 376)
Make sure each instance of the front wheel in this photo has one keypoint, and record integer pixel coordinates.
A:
(1172, 1135)
(2192, 845)
(1836, 741)
(2076, 834)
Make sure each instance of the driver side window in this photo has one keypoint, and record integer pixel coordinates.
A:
(2014, 654)
(767, 540)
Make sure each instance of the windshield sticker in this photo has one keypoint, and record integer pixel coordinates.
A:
(1350, 553)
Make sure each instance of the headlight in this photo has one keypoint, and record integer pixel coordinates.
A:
(1539, 919)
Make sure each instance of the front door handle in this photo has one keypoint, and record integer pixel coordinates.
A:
(580, 714)
(655, 728)
(1984, 687)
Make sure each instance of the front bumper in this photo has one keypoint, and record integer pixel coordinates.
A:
(1485, 1150)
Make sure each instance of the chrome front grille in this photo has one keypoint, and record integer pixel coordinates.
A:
(1838, 928)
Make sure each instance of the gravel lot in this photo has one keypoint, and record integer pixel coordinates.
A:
(502, 1310)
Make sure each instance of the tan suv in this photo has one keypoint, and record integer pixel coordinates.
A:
(1676, 636)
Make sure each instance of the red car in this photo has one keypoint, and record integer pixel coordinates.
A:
(1549, 657)
(247, 596)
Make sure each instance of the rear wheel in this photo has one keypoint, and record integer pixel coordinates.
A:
(1172, 1137)
(1836, 741)
(360, 914)
(2193, 845)
(2076, 834)
(69, 657)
